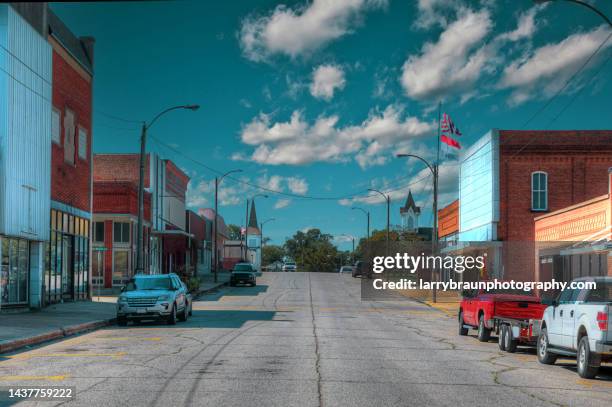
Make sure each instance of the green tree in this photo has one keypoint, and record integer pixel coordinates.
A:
(313, 251)
(272, 253)
(234, 232)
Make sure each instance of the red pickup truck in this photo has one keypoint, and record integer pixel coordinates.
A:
(501, 311)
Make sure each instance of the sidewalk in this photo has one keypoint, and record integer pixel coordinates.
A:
(18, 330)
(56, 321)
(447, 302)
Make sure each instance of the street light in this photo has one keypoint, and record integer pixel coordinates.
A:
(368, 219)
(143, 142)
(434, 233)
(581, 3)
(388, 199)
(261, 225)
(215, 254)
(353, 252)
(246, 224)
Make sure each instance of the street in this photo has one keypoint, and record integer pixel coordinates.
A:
(299, 339)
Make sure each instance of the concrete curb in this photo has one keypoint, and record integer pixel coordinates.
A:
(63, 332)
(209, 290)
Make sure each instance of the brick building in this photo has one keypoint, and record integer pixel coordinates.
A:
(114, 232)
(576, 241)
(508, 178)
(67, 269)
(448, 221)
(167, 185)
(198, 244)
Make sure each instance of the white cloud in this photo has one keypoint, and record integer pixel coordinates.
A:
(282, 203)
(547, 68)
(301, 30)
(297, 185)
(300, 142)
(526, 26)
(325, 80)
(198, 194)
(452, 64)
(432, 12)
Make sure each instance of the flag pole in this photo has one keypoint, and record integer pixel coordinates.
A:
(434, 232)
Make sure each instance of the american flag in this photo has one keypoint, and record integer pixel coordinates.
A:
(447, 126)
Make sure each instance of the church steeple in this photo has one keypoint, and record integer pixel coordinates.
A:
(410, 213)
(253, 216)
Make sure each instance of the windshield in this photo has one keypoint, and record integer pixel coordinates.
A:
(150, 283)
(289, 264)
(243, 267)
(603, 293)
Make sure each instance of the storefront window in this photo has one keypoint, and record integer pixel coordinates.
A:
(120, 267)
(14, 271)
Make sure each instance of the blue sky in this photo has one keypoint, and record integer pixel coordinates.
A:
(315, 97)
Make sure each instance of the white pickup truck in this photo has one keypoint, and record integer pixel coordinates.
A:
(577, 324)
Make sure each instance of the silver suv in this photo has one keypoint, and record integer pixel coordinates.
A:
(161, 296)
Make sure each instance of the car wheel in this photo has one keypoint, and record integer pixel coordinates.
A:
(484, 334)
(509, 342)
(121, 321)
(501, 339)
(172, 316)
(544, 355)
(587, 364)
(463, 331)
(183, 315)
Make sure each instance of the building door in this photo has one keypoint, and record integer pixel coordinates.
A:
(14, 271)
(67, 268)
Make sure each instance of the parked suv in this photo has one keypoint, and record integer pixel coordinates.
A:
(289, 266)
(160, 296)
(576, 324)
(243, 273)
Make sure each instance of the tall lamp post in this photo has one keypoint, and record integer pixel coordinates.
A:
(261, 225)
(388, 199)
(581, 3)
(434, 233)
(215, 230)
(353, 252)
(143, 143)
(367, 217)
(246, 224)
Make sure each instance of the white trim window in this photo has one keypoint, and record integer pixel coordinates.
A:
(82, 143)
(539, 191)
(55, 126)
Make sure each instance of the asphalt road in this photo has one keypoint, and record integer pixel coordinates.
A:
(299, 339)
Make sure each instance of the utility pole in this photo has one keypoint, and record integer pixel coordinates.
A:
(388, 200)
(216, 231)
(246, 231)
(143, 144)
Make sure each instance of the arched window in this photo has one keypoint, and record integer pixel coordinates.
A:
(539, 191)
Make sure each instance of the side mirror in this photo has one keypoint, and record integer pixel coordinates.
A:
(123, 289)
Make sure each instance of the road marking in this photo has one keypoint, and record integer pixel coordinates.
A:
(66, 355)
(128, 338)
(21, 378)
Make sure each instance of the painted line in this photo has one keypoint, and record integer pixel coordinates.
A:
(22, 378)
(67, 355)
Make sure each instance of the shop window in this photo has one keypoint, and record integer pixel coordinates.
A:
(69, 129)
(120, 267)
(99, 232)
(97, 268)
(539, 191)
(121, 232)
(82, 143)
(55, 126)
(14, 271)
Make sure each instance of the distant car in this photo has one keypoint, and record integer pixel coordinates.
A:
(346, 269)
(361, 270)
(243, 273)
(160, 296)
(289, 266)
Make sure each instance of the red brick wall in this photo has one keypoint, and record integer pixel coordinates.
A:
(70, 184)
(176, 181)
(120, 167)
(448, 219)
(577, 164)
(120, 198)
(108, 254)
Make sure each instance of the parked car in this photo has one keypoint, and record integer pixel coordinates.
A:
(160, 296)
(346, 269)
(577, 324)
(289, 266)
(243, 273)
(493, 309)
(361, 269)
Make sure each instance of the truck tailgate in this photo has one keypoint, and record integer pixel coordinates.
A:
(519, 309)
